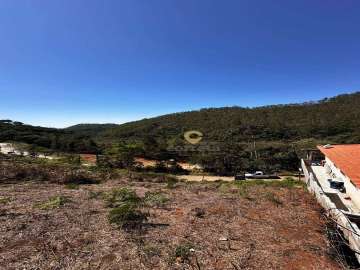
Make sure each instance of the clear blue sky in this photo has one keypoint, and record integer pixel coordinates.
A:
(69, 61)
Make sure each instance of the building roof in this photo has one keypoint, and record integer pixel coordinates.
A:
(346, 157)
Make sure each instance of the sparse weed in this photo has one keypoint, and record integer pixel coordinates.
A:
(289, 182)
(127, 216)
(223, 187)
(157, 199)
(273, 198)
(243, 191)
(72, 186)
(151, 250)
(4, 200)
(52, 203)
(171, 182)
(118, 197)
(182, 253)
(95, 194)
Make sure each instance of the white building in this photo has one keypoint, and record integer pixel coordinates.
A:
(8, 148)
(342, 162)
(332, 174)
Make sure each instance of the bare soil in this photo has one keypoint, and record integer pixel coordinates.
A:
(268, 228)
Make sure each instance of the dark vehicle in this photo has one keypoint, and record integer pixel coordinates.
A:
(240, 177)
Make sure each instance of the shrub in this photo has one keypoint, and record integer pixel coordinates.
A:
(155, 199)
(127, 216)
(171, 182)
(183, 252)
(52, 203)
(118, 197)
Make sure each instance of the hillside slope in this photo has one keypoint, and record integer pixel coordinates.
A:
(47, 138)
(90, 129)
(237, 139)
(336, 119)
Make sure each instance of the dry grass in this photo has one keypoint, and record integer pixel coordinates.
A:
(190, 226)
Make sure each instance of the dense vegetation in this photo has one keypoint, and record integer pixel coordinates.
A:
(92, 130)
(235, 139)
(335, 118)
(47, 138)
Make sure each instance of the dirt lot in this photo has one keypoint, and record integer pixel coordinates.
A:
(201, 226)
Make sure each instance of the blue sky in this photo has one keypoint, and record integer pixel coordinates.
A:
(69, 61)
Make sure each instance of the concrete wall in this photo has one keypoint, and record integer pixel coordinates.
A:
(351, 230)
(351, 189)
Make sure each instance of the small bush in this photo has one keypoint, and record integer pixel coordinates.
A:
(171, 182)
(182, 253)
(52, 203)
(118, 197)
(127, 216)
(155, 199)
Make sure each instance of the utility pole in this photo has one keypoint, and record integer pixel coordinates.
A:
(256, 156)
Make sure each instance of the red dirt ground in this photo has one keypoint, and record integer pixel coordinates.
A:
(268, 228)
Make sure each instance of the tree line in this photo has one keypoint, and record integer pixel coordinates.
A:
(236, 139)
(50, 139)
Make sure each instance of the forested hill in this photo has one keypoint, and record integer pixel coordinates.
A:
(47, 138)
(243, 139)
(267, 138)
(336, 119)
(92, 130)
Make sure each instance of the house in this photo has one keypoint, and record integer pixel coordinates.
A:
(342, 162)
(332, 174)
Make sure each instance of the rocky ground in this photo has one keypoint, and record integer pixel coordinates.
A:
(196, 226)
